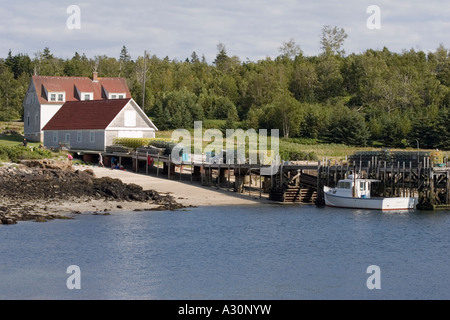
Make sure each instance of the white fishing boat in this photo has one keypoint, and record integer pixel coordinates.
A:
(354, 192)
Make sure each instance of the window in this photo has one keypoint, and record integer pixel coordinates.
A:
(92, 137)
(79, 137)
(60, 97)
(28, 119)
(362, 186)
(344, 185)
(117, 95)
(36, 119)
(55, 136)
(67, 139)
(87, 96)
(53, 97)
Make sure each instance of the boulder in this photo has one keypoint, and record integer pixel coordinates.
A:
(8, 220)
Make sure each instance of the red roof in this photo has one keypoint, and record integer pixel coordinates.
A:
(70, 85)
(112, 85)
(86, 115)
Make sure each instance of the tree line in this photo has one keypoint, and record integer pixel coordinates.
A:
(377, 97)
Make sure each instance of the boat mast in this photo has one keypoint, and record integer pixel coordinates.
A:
(354, 184)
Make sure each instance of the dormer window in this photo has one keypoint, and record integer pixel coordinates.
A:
(57, 96)
(117, 96)
(87, 96)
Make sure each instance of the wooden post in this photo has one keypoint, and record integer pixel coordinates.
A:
(219, 176)
(249, 179)
(335, 174)
(397, 181)
(272, 179)
(238, 181)
(319, 199)
(260, 181)
(228, 180)
(137, 161)
(192, 170)
(448, 188)
(378, 172)
(392, 179)
(404, 192)
(328, 174)
(281, 175)
(202, 172)
(157, 167)
(168, 169)
(210, 174)
(431, 177)
(410, 179)
(418, 179)
(346, 171)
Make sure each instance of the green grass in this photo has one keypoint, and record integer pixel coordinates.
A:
(12, 149)
(330, 151)
(337, 151)
(11, 126)
(17, 153)
(15, 140)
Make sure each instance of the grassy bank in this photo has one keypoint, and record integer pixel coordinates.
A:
(308, 149)
(12, 149)
(292, 149)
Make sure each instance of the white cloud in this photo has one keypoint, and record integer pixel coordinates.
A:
(250, 29)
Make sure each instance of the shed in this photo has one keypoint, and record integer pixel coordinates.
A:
(93, 124)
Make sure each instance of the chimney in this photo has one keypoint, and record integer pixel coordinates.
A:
(95, 76)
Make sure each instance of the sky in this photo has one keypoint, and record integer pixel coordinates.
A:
(249, 29)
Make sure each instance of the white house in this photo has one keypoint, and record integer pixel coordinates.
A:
(93, 124)
(46, 95)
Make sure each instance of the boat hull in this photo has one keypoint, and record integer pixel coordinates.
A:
(395, 203)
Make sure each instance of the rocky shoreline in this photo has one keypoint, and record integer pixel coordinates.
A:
(41, 190)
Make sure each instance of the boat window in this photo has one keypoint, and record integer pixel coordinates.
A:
(362, 186)
(344, 185)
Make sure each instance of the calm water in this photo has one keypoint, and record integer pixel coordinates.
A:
(264, 252)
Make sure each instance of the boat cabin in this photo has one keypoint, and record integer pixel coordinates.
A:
(354, 187)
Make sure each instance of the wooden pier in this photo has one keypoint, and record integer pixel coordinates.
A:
(430, 184)
(299, 182)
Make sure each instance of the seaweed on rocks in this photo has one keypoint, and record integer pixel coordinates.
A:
(50, 180)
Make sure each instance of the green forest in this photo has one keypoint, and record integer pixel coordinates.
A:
(375, 98)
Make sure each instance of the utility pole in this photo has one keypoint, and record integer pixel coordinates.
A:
(145, 75)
